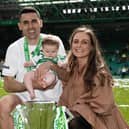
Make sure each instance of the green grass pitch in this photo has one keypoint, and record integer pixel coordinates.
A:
(121, 94)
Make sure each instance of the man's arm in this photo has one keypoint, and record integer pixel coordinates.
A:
(11, 85)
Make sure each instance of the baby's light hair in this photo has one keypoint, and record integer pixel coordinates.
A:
(50, 40)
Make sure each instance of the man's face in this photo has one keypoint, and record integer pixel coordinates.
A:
(30, 25)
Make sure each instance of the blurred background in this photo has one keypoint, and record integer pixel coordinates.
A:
(110, 19)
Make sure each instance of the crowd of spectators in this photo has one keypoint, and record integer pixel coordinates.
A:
(118, 61)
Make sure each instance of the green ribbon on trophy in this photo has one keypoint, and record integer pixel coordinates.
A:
(60, 120)
(18, 117)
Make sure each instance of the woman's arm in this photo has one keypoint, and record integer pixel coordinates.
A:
(62, 73)
(45, 67)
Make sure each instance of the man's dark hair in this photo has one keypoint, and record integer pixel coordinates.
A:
(29, 10)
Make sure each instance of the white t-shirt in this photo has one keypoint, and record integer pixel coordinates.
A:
(15, 60)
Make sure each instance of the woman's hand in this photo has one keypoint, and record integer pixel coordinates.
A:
(42, 69)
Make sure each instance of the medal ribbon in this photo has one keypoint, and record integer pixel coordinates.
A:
(35, 52)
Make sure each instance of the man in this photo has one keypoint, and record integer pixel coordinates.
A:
(17, 54)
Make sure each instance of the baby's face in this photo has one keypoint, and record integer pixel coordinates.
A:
(50, 51)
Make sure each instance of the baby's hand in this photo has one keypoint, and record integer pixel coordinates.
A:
(28, 64)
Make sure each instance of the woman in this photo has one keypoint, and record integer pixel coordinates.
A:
(87, 85)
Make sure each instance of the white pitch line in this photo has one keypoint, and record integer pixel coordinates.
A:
(123, 105)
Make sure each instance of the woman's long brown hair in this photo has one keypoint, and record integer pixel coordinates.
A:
(95, 58)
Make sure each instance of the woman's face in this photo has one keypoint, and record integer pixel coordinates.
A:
(81, 45)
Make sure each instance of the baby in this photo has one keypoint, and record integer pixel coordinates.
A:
(49, 52)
